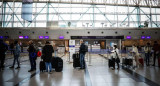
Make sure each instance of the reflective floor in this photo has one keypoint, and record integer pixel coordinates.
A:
(97, 73)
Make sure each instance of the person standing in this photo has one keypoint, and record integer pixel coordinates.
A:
(3, 49)
(17, 51)
(116, 57)
(83, 49)
(147, 50)
(32, 59)
(135, 54)
(156, 51)
(47, 51)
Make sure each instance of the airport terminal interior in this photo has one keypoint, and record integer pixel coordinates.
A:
(107, 33)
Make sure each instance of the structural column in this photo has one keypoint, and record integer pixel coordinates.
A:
(13, 13)
(1, 14)
(151, 16)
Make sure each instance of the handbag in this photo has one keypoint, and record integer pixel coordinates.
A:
(117, 59)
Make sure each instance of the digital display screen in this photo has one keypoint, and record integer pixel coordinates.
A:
(1, 37)
(20, 37)
(61, 37)
(46, 37)
(40, 37)
(142, 37)
(26, 37)
(148, 37)
(97, 37)
(128, 37)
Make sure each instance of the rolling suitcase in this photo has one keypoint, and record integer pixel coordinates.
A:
(123, 62)
(129, 62)
(76, 60)
(141, 61)
(57, 63)
(53, 62)
(110, 63)
(42, 66)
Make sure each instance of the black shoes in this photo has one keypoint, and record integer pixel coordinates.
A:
(30, 70)
(17, 67)
(11, 67)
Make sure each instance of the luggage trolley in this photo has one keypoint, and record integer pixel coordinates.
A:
(128, 61)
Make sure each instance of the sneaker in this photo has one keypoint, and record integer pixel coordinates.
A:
(50, 72)
(17, 67)
(11, 67)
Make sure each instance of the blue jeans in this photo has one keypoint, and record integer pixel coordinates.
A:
(32, 62)
(82, 60)
(48, 65)
(16, 58)
(147, 55)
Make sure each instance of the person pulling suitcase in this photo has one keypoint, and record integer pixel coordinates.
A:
(83, 49)
(116, 57)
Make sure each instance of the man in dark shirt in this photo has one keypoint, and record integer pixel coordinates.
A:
(82, 51)
(156, 51)
(3, 49)
(32, 59)
(47, 52)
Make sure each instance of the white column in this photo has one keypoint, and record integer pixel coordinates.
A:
(1, 13)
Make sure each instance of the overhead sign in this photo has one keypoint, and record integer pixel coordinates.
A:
(97, 37)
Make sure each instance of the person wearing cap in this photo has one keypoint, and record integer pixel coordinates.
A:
(3, 49)
(16, 53)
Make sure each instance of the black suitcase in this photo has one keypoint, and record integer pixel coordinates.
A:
(76, 60)
(110, 63)
(129, 62)
(57, 63)
(42, 66)
(53, 62)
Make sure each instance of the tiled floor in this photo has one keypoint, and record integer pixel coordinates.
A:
(98, 74)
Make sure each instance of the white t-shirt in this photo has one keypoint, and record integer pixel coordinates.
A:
(114, 53)
(135, 50)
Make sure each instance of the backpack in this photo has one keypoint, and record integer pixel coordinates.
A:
(39, 53)
(86, 48)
